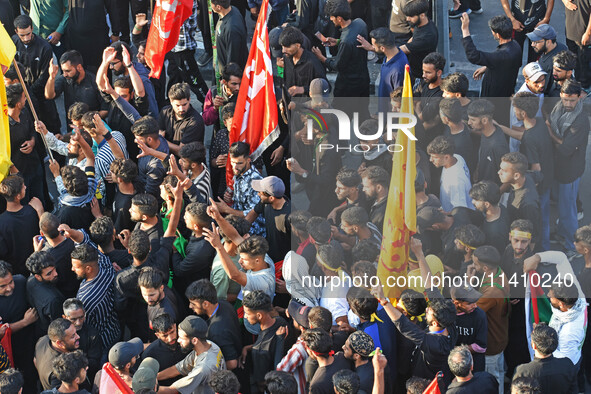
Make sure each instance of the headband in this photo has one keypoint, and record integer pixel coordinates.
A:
(522, 234)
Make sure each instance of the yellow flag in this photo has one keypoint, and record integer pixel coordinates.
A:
(401, 214)
(7, 52)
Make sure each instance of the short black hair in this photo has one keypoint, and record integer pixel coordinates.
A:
(545, 338)
(571, 87)
(501, 24)
(349, 177)
(22, 22)
(525, 385)
(481, 108)
(11, 381)
(291, 35)
(179, 91)
(162, 323)
(194, 152)
(11, 186)
(139, 244)
(527, 102)
(444, 311)
(355, 215)
(75, 181)
(77, 110)
(415, 8)
(331, 254)
(362, 303)
(318, 340)
(11, 72)
(436, 59)
(224, 382)
(85, 253)
(48, 224)
(414, 302)
(377, 175)
(383, 37)
(346, 381)
(198, 212)
(456, 83)
(569, 295)
(470, 235)
(258, 300)
(88, 120)
(239, 223)
(416, 385)
(118, 46)
(441, 145)
(488, 255)
(320, 317)
(231, 70)
(319, 229)
(221, 3)
(254, 246)
(524, 225)
(146, 126)
(72, 56)
(451, 109)
(338, 8)
(67, 366)
(202, 290)
(565, 60)
(14, 94)
(57, 329)
(101, 231)
(486, 191)
(299, 220)
(146, 204)
(280, 382)
(150, 278)
(239, 149)
(38, 261)
(227, 111)
(366, 249)
(517, 160)
(123, 82)
(125, 169)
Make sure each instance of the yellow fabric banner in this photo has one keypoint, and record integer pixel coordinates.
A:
(7, 52)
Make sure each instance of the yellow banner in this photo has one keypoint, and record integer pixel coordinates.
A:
(7, 52)
(401, 215)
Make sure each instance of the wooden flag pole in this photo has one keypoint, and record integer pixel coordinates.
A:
(20, 77)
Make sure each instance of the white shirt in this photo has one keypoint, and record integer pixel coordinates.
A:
(455, 186)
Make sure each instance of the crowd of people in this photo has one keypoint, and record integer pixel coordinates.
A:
(127, 264)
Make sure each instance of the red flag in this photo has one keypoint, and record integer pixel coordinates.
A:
(434, 386)
(255, 116)
(167, 19)
(111, 382)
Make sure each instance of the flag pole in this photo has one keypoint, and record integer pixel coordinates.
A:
(20, 77)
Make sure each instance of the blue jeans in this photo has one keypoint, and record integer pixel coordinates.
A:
(545, 208)
(567, 212)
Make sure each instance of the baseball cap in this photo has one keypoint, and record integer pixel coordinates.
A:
(299, 313)
(194, 326)
(533, 71)
(319, 87)
(271, 185)
(274, 46)
(542, 32)
(465, 293)
(122, 352)
(146, 375)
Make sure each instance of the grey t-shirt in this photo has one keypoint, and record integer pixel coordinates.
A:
(197, 369)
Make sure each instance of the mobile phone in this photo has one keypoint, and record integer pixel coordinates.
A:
(320, 36)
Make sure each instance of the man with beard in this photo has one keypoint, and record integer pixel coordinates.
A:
(160, 299)
(204, 359)
(144, 212)
(41, 290)
(543, 41)
(375, 181)
(383, 42)
(214, 100)
(347, 190)
(424, 36)
(467, 239)
(569, 129)
(486, 196)
(90, 340)
(61, 338)
(563, 66)
(77, 84)
(519, 249)
(150, 168)
(179, 122)
(495, 290)
(165, 348)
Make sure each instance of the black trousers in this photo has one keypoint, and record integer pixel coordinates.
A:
(182, 67)
(583, 68)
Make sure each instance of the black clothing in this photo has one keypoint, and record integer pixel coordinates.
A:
(424, 41)
(524, 203)
(492, 148)
(350, 63)
(92, 346)
(569, 157)
(121, 257)
(277, 228)
(35, 58)
(182, 67)
(67, 283)
(189, 129)
(166, 355)
(481, 382)
(377, 213)
(366, 374)
(87, 30)
(168, 305)
(576, 21)
(305, 17)
(155, 233)
(497, 231)
(224, 330)
(196, 264)
(303, 72)
(231, 39)
(321, 383)
(47, 300)
(117, 120)
(464, 146)
(44, 356)
(121, 216)
(15, 227)
(555, 375)
(76, 217)
(502, 66)
(473, 329)
(267, 350)
(536, 145)
(151, 170)
(547, 64)
(86, 91)
(21, 131)
(451, 256)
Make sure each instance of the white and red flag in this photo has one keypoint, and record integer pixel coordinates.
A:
(255, 117)
(167, 19)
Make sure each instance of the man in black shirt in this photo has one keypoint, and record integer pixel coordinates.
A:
(543, 42)
(465, 382)
(160, 298)
(563, 67)
(144, 211)
(230, 35)
(358, 348)
(223, 327)
(300, 65)
(451, 113)
(267, 350)
(165, 348)
(424, 37)
(41, 290)
(102, 233)
(180, 122)
(90, 340)
(493, 144)
(578, 37)
(150, 168)
(77, 84)
(375, 181)
(124, 173)
(486, 196)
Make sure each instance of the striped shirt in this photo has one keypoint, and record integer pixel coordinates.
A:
(203, 183)
(104, 156)
(293, 363)
(98, 299)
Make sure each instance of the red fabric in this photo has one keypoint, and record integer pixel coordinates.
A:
(433, 387)
(6, 343)
(303, 245)
(279, 270)
(111, 382)
(255, 117)
(167, 19)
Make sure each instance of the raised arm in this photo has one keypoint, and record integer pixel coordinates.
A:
(213, 237)
(50, 84)
(101, 129)
(136, 81)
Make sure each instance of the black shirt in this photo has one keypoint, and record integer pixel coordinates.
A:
(76, 217)
(67, 283)
(569, 157)
(377, 213)
(121, 257)
(277, 229)
(451, 256)
(481, 382)
(547, 64)
(231, 39)
(22, 131)
(424, 41)
(497, 231)
(492, 148)
(224, 330)
(366, 373)
(86, 91)
(47, 300)
(44, 356)
(35, 58)
(464, 146)
(155, 233)
(303, 72)
(321, 383)
(536, 145)
(188, 129)
(555, 375)
(121, 216)
(15, 229)
(524, 203)
(196, 264)
(92, 346)
(267, 350)
(166, 355)
(473, 329)
(168, 305)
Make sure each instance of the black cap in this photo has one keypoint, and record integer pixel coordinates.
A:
(299, 313)
(194, 326)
